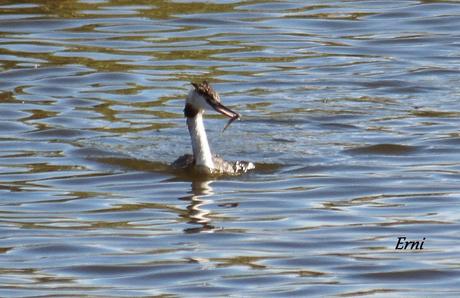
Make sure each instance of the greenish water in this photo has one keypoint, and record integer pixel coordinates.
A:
(349, 109)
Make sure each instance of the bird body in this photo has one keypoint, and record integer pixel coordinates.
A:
(201, 98)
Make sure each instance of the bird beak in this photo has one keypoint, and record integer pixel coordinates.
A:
(225, 111)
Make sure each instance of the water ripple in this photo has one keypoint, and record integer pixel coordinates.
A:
(349, 110)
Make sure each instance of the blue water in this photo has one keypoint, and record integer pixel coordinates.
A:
(349, 109)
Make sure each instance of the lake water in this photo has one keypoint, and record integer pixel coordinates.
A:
(350, 110)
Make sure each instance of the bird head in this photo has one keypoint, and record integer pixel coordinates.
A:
(203, 97)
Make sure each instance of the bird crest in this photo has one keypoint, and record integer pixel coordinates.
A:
(205, 90)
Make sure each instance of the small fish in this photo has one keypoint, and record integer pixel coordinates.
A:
(236, 117)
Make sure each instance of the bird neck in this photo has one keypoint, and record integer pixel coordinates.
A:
(200, 145)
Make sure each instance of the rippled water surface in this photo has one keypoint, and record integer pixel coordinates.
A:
(350, 110)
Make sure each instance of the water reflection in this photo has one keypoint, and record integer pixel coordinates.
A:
(197, 214)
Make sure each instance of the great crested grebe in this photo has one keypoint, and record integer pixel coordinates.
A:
(199, 99)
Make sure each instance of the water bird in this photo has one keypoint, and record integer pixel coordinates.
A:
(201, 98)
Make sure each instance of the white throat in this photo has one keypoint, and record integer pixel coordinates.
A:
(200, 145)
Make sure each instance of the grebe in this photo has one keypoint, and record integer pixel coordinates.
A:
(200, 98)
